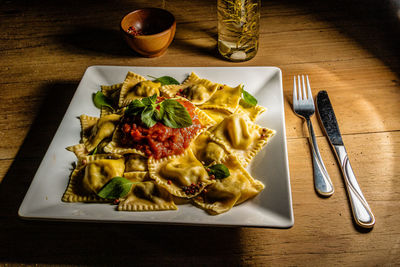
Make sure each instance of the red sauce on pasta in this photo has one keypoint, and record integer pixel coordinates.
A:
(159, 141)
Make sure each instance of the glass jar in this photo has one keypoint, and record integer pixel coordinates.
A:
(238, 28)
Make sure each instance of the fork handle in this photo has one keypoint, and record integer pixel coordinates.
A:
(322, 181)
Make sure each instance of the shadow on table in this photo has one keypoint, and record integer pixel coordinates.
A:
(97, 41)
(104, 37)
(207, 45)
(101, 41)
(374, 24)
(94, 243)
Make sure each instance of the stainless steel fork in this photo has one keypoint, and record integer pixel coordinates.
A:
(303, 106)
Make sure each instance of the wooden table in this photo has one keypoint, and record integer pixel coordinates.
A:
(349, 48)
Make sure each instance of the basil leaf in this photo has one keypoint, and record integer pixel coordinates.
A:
(159, 113)
(147, 116)
(153, 98)
(117, 187)
(100, 100)
(220, 171)
(136, 104)
(175, 114)
(135, 108)
(165, 80)
(94, 151)
(248, 98)
(170, 112)
(149, 100)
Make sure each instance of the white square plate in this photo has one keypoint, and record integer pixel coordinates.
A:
(271, 208)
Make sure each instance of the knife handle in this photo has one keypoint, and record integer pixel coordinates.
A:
(322, 182)
(361, 211)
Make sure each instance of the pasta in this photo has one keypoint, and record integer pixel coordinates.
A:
(158, 145)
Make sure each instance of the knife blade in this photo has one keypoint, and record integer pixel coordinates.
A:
(362, 213)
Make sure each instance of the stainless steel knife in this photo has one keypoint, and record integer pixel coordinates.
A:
(361, 211)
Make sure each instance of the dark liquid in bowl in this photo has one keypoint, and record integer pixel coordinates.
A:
(149, 21)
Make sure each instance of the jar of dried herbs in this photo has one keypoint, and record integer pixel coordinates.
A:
(238, 28)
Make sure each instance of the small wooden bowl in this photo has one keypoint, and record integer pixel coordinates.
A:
(157, 27)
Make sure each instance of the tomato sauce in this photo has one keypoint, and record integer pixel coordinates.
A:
(159, 141)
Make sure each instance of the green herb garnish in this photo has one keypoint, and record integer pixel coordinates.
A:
(220, 171)
(169, 112)
(135, 108)
(164, 80)
(94, 151)
(148, 117)
(149, 100)
(100, 100)
(117, 187)
(174, 114)
(248, 98)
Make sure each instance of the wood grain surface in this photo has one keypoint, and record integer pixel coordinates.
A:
(349, 48)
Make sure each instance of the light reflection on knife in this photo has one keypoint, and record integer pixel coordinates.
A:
(361, 211)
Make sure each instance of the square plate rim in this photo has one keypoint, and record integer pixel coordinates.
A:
(24, 212)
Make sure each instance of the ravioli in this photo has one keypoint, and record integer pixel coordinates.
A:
(147, 196)
(136, 176)
(87, 124)
(142, 89)
(206, 150)
(195, 89)
(131, 80)
(252, 112)
(90, 175)
(170, 90)
(181, 175)
(198, 90)
(135, 162)
(98, 172)
(79, 150)
(104, 128)
(75, 192)
(112, 92)
(144, 195)
(217, 115)
(225, 98)
(240, 136)
(221, 196)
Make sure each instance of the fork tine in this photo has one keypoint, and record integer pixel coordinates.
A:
(298, 82)
(310, 97)
(294, 90)
(304, 88)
